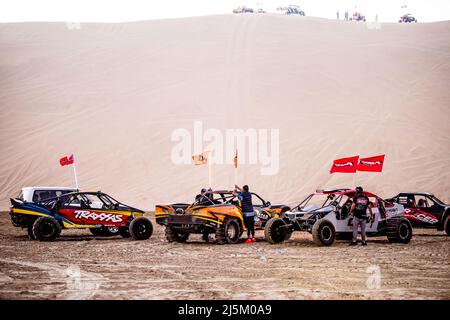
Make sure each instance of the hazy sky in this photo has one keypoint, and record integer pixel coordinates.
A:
(131, 10)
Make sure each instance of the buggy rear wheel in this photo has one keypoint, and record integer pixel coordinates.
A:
(323, 232)
(173, 235)
(399, 230)
(46, 229)
(30, 233)
(447, 225)
(141, 228)
(275, 231)
(228, 232)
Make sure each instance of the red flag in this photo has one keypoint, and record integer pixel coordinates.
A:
(65, 161)
(372, 164)
(347, 165)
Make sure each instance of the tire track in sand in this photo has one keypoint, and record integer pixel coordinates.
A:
(79, 284)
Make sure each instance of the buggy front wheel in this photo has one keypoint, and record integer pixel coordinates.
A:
(323, 232)
(276, 231)
(141, 228)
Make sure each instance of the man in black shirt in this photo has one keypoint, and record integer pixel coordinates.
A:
(359, 212)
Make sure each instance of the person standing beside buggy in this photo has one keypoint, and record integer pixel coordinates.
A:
(245, 197)
(359, 213)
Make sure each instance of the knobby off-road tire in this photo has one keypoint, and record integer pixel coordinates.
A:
(172, 235)
(141, 228)
(323, 232)
(104, 231)
(30, 233)
(275, 232)
(229, 231)
(447, 225)
(46, 229)
(399, 230)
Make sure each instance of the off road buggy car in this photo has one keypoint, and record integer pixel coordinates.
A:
(96, 211)
(243, 9)
(357, 16)
(407, 18)
(325, 214)
(424, 210)
(39, 194)
(216, 212)
(294, 10)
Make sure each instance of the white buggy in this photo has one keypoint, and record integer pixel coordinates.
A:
(325, 214)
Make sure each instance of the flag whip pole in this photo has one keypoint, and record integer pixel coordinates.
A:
(235, 160)
(75, 175)
(209, 169)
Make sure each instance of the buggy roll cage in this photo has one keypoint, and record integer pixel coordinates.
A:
(106, 199)
(226, 197)
(335, 196)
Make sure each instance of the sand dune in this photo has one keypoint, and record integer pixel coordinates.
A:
(112, 94)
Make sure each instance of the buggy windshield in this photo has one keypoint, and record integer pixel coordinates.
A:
(214, 197)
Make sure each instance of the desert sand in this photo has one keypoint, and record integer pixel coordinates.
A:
(112, 94)
(80, 266)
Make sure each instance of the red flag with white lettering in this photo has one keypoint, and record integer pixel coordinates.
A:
(65, 161)
(345, 165)
(371, 164)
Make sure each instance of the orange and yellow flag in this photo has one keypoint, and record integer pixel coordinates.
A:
(235, 159)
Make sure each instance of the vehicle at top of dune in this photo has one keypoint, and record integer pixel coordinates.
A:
(294, 10)
(424, 210)
(407, 18)
(214, 212)
(243, 9)
(325, 214)
(96, 211)
(357, 16)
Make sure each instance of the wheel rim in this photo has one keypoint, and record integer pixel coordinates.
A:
(231, 231)
(47, 229)
(278, 234)
(326, 233)
(142, 229)
(403, 231)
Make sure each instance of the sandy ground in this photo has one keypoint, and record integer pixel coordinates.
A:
(79, 266)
